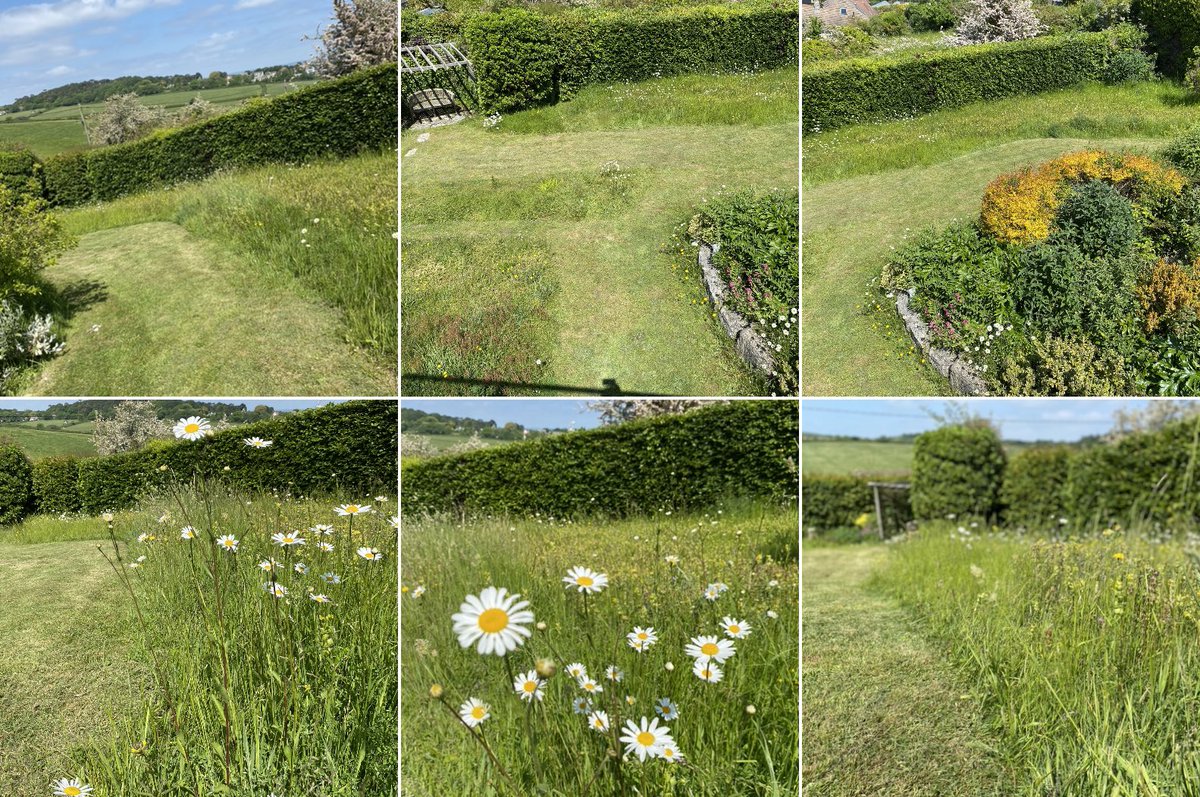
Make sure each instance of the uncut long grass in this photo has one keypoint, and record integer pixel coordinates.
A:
(310, 693)
(728, 750)
(1083, 651)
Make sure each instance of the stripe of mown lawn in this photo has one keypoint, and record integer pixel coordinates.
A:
(64, 666)
(884, 714)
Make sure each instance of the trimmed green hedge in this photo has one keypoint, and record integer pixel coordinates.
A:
(831, 502)
(349, 448)
(677, 462)
(523, 59)
(338, 117)
(879, 89)
(16, 484)
(1034, 489)
(56, 485)
(957, 470)
(444, 27)
(21, 172)
(1174, 31)
(1155, 476)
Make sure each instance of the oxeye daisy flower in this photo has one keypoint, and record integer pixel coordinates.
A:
(370, 554)
(671, 559)
(418, 591)
(300, 568)
(143, 537)
(528, 686)
(666, 709)
(713, 591)
(394, 521)
(590, 686)
(598, 721)
(576, 670)
(474, 712)
(647, 739)
(70, 788)
(321, 529)
(735, 629)
(331, 578)
(704, 648)
(630, 700)
(585, 580)
(707, 671)
(268, 565)
(258, 442)
(192, 428)
(187, 533)
(670, 753)
(352, 509)
(640, 639)
(285, 539)
(581, 705)
(613, 673)
(327, 547)
(228, 542)
(497, 621)
(319, 597)
(276, 589)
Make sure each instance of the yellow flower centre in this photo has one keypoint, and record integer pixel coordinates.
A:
(352, 508)
(191, 428)
(589, 686)
(598, 723)
(645, 738)
(709, 648)
(74, 791)
(668, 752)
(584, 581)
(492, 621)
(643, 636)
(477, 712)
(733, 629)
(530, 686)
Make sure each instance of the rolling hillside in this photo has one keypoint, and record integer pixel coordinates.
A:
(68, 438)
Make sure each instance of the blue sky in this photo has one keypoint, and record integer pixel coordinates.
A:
(47, 44)
(1018, 419)
(285, 405)
(530, 413)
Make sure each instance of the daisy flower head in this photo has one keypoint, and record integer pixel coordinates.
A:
(145, 537)
(300, 568)
(268, 565)
(494, 621)
(192, 428)
(346, 510)
(614, 673)
(705, 670)
(286, 539)
(647, 739)
(598, 721)
(276, 589)
(735, 629)
(581, 705)
(473, 712)
(187, 533)
(576, 670)
(370, 554)
(319, 597)
(585, 580)
(331, 578)
(589, 685)
(630, 700)
(418, 591)
(528, 686)
(71, 788)
(666, 709)
(714, 590)
(671, 559)
(640, 639)
(321, 529)
(394, 522)
(257, 442)
(228, 542)
(704, 648)
(670, 753)
(325, 547)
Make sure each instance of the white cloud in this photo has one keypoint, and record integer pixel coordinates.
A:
(38, 53)
(31, 20)
(241, 4)
(59, 71)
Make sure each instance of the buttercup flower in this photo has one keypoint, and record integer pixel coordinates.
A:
(585, 580)
(645, 740)
(528, 686)
(192, 428)
(495, 621)
(474, 712)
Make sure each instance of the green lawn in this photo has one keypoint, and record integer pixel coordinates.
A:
(885, 713)
(271, 281)
(869, 186)
(41, 443)
(856, 456)
(543, 239)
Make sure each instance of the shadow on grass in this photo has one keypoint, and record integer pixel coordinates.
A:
(496, 387)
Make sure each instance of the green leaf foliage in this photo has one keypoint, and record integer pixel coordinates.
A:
(831, 502)
(957, 470)
(56, 485)
(1174, 31)
(334, 118)
(1034, 489)
(16, 484)
(676, 462)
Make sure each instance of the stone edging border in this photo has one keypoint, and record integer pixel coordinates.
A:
(749, 344)
(963, 379)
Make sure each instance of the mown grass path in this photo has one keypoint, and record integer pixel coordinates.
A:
(179, 315)
(619, 311)
(884, 715)
(850, 229)
(64, 668)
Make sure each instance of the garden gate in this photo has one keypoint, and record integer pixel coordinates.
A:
(899, 519)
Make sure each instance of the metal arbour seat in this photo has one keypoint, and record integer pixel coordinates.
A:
(437, 83)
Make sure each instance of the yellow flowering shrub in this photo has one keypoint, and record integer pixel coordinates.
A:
(1170, 294)
(1019, 207)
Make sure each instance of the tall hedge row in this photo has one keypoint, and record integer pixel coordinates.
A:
(877, 89)
(16, 484)
(1034, 491)
(1173, 28)
(957, 470)
(677, 462)
(56, 485)
(523, 59)
(830, 502)
(348, 448)
(339, 117)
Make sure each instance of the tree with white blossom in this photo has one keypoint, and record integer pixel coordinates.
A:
(986, 21)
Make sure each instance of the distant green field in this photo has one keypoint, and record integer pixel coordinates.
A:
(865, 456)
(441, 442)
(59, 129)
(42, 443)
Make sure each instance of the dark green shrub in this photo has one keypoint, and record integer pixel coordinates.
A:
(21, 172)
(957, 470)
(348, 449)
(16, 484)
(334, 118)
(832, 504)
(847, 41)
(893, 22)
(56, 485)
(426, 29)
(933, 15)
(894, 87)
(1128, 66)
(1173, 28)
(1184, 153)
(1034, 490)
(514, 59)
(683, 461)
